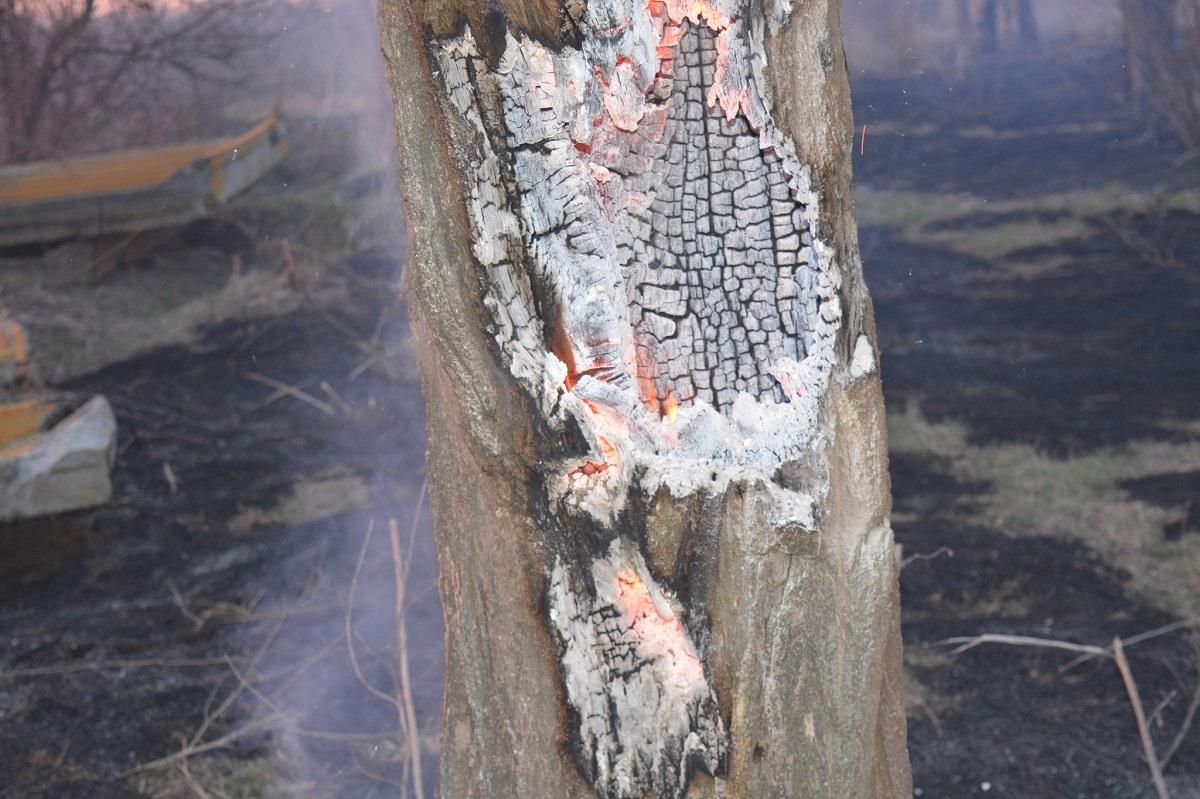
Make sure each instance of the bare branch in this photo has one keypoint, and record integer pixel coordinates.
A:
(1135, 700)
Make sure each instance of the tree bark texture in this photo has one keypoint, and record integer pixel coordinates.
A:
(657, 453)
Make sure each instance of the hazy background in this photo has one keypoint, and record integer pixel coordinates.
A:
(1027, 181)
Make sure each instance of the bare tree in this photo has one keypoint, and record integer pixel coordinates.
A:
(657, 455)
(993, 14)
(1162, 41)
(77, 75)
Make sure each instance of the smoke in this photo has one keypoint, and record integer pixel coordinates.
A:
(347, 664)
(900, 37)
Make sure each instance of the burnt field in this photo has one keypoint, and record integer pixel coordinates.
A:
(226, 625)
(1034, 258)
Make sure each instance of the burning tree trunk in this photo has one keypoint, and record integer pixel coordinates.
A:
(657, 448)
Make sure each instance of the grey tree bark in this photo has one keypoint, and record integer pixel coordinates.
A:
(657, 454)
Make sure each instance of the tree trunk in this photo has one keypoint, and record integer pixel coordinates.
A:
(657, 453)
(989, 28)
(1027, 23)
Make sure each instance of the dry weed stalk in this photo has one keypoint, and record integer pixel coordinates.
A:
(402, 698)
(1135, 700)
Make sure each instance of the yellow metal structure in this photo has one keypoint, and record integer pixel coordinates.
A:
(133, 190)
(20, 427)
(14, 352)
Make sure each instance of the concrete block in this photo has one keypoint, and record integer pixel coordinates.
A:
(65, 468)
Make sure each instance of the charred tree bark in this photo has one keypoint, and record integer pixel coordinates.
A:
(657, 449)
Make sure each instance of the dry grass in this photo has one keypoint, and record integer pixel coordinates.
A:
(1075, 498)
(310, 499)
(172, 294)
(1005, 245)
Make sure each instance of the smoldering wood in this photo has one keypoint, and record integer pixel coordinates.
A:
(645, 341)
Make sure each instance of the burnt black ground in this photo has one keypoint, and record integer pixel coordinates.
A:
(1006, 716)
(1174, 491)
(93, 586)
(1100, 352)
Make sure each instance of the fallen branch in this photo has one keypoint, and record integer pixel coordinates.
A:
(1139, 714)
(293, 391)
(970, 642)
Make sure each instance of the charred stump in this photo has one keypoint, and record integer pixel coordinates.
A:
(657, 453)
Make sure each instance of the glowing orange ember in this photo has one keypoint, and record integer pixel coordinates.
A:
(670, 407)
(629, 581)
(560, 345)
(636, 599)
(647, 390)
(659, 632)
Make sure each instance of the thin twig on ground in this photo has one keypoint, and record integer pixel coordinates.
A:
(182, 604)
(190, 781)
(214, 609)
(1139, 713)
(970, 642)
(292, 391)
(210, 718)
(251, 728)
(336, 398)
(934, 555)
(1155, 717)
(349, 624)
(1133, 640)
(1116, 653)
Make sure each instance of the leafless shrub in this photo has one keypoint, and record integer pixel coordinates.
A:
(80, 75)
(1162, 42)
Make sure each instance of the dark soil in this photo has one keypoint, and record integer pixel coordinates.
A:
(1008, 716)
(1097, 353)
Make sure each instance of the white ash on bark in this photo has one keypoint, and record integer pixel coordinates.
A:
(645, 711)
(652, 261)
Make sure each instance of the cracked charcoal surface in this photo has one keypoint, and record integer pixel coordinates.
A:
(634, 679)
(667, 256)
(720, 285)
